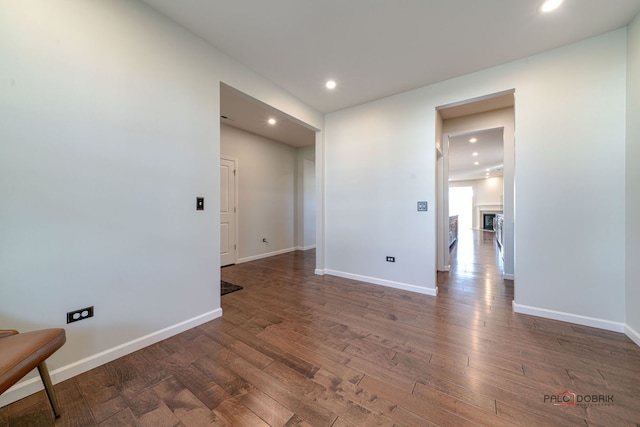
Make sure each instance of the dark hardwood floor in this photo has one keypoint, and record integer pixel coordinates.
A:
(296, 349)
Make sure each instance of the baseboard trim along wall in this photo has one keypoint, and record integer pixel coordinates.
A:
(305, 248)
(570, 318)
(632, 334)
(508, 276)
(382, 282)
(33, 385)
(265, 255)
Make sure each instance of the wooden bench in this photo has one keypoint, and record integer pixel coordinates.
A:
(21, 353)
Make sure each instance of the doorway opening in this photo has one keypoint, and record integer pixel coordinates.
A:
(274, 175)
(475, 148)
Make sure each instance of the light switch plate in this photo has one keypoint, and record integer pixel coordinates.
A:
(422, 207)
(199, 203)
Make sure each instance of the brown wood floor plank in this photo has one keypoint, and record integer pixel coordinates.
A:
(76, 409)
(482, 416)
(239, 348)
(124, 418)
(185, 405)
(272, 412)
(521, 417)
(428, 410)
(233, 413)
(371, 401)
(104, 410)
(314, 356)
(31, 411)
(160, 416)
(100, 394)
(434, 385)
(305, 408)
(207, 391)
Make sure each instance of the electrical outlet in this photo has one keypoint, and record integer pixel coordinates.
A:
(423, 206)
(83, 313)
(391, 259)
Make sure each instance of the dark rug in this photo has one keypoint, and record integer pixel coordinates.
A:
(227, 288)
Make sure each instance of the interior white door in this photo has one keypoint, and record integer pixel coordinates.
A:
(228, 210)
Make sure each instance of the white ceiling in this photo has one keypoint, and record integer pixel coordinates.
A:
(489, 148)
(375, 48)
(244, 112)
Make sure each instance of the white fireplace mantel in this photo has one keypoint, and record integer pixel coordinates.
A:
(479, 210)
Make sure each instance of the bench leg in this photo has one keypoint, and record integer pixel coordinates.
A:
(48, 387)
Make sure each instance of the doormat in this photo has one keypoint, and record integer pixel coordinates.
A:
(227, 288)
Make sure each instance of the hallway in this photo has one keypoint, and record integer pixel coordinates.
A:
(476, 260)
(476, 251)
(475, 279)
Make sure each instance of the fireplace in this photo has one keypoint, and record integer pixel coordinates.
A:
(479, 212)
(487, 221)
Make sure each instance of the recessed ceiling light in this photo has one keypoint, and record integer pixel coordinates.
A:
(550, 5)
(472, 140)
(331, 84)
(474, 154)
(488, 170)
(272, 121)
(476, 163)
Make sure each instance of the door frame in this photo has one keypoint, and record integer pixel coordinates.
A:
(236, 207)
(442, 179)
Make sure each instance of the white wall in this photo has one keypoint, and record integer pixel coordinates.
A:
(320, 201)
(569, 182)
(306, 198)
(109, 128)
(309, 204)
(486, 192)
(632, 232)
(266, 192)
(379, 162)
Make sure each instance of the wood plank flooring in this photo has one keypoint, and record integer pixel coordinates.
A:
(296, 349)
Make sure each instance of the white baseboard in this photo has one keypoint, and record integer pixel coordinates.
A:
(33, 385)
(632, 334)
(305, 248)
(508, 276)
(265, 255)
(570, 318)
(319, 272)
(382, 282)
